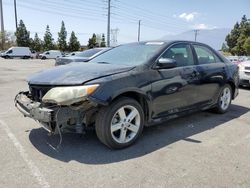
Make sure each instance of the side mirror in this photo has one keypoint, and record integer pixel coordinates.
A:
(166, 63)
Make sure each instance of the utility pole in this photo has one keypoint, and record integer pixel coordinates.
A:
(15, 13)
(108, 25)
(2, 25)
(139, 30)
(195, 34)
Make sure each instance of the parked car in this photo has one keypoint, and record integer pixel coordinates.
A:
(246, 58)
(244, 70)
(129, 87)
(33, 54)
(80, 56)
(17, 52)
(234, 59)
(51, 54)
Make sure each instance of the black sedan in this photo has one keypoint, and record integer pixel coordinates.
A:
(129, 87)
(83, 56)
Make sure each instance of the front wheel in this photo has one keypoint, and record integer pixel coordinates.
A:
(120, 124)
(224, 100)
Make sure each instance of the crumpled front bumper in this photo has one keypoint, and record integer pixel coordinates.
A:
(64, 117)
(34, 110)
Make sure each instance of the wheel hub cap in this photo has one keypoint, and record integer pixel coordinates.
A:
(225, 98)
(125, 124)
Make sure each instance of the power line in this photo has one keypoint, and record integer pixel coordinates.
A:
(58, 13)
(147, 13)
(148, 19)
(64, 8)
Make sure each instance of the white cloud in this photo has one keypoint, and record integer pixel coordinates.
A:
(188, 16)
(203, 26)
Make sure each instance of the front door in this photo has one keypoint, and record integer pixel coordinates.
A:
(175, 89)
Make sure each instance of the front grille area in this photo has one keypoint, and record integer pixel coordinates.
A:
(244, 82)
(247, 73)
(247, 68)
(37, 92)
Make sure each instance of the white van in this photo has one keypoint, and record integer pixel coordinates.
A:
(21, 52)
(51, 54)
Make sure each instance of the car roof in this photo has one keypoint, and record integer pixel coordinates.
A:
(167, 42)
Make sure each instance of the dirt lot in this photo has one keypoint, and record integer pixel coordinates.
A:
(201, 150)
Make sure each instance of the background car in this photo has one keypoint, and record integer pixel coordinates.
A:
(244, 73)
(234, 59)
(51, 54)
(83, 56)
(17, 52)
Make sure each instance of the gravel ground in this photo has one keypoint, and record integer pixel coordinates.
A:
(199, 150)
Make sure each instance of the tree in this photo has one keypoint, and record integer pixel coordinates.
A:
(22, 35)
(232, 37)
(48, 40)
(62, 37)
(92, 41)
(247, 46)
(9, 39)
(74, 44)
(238, 36)
(224, 47)
(36, 43)
(103, 43)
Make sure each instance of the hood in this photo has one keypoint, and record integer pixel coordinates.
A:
(75, 74)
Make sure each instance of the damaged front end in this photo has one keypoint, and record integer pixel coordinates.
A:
(58, 109)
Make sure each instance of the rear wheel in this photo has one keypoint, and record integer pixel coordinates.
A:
(120, 124)
(224, 100)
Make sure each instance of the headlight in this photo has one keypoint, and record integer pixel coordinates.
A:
(68, 95)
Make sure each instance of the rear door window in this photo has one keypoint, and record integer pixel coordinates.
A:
(181, 53)
(205, 55)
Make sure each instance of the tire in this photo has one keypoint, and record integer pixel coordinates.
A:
(43, 58)
(224, 100)
(124, 132)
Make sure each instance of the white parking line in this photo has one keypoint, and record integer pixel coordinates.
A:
(33, 168)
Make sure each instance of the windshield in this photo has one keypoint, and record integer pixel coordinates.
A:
(88, 53)
(129, 54)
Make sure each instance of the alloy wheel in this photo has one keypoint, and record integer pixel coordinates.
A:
(125, 124)
(225, 98)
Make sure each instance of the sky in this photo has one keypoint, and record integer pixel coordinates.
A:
(158, 17)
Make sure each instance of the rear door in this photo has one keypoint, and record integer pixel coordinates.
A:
(175, 88)
(212, 71)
